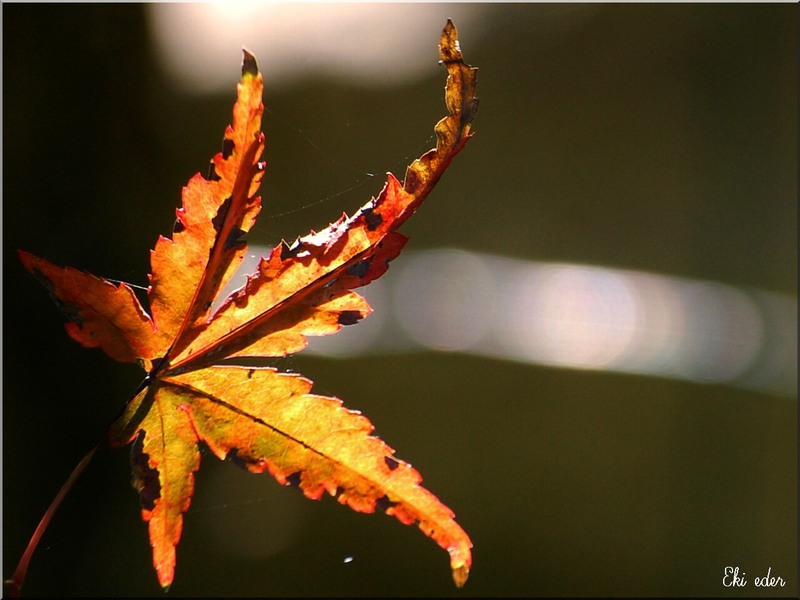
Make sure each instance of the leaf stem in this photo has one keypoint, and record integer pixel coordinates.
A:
(13, 586)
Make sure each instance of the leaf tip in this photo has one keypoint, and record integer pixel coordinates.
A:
(26, 258)
(460, 575)
(449, 49)
(249, 64)
(166, 570)
(460, 561)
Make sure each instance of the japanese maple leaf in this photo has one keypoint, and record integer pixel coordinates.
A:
(195, 392)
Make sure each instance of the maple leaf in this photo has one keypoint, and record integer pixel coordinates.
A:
(267, 420)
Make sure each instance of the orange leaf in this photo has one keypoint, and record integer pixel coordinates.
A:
(269, 421)
(101, 314)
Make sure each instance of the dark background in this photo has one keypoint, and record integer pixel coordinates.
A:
(652, 137)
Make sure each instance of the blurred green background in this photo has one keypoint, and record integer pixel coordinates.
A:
(651, 137)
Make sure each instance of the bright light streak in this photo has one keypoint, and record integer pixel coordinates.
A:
(577, 316)
(455, 290)
(371, 43)
(567, 315)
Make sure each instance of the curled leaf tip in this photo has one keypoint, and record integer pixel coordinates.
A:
(449, 48)
(460, 575)
(249, 64)
(461, 560)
